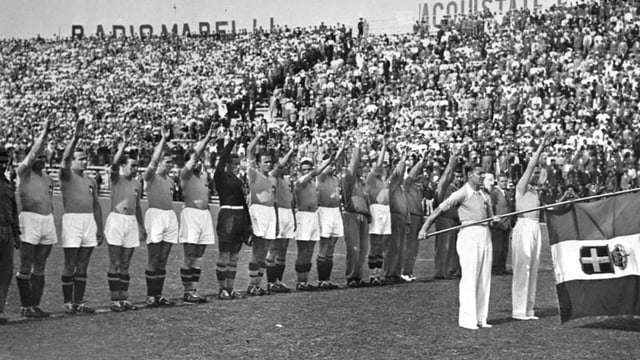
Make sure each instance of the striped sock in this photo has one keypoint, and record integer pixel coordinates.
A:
(327, 271)
(114, 286)
(231, 276)
(37, 288)
(254, 269)
(262, 268)
(221, 275)
(272, 274)
(371, 262)
(160, 276)
(67, 288)
(186, 276)
(79, 287)
(280, 264)
(24, 288)
(300, 275)
(124, 286)
(195, 277)
(150, 278)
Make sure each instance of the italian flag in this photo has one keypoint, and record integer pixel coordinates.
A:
(595, 248)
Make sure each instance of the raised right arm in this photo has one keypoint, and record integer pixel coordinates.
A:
(415, 170)
(355, 155)
(349, 181)
(251, 156)
(521, 187)
(445, 180)
(115, 165)
(67, 156)
(32, 156)
(157, 152)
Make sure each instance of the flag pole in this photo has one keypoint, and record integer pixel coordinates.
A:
(543, 207)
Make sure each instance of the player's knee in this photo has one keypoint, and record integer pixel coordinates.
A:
(162, 264)
(38, 269)
(270, 256)
(307, 256)
(189, 250)
(165, 250)
(154, 259)
(69, 266)
(281, 253)
(25, 267)
(233, 258)
(196, 263)
(124, 264)
(223, 257)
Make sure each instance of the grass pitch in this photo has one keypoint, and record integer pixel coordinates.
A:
(409, 321)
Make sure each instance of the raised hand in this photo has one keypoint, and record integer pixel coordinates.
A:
(548, 135)
(124, 140)
(343, 144)
(236, 133)
(79, 130)
(358, 136)
(165, 132)
(212, 130)
(48, 123)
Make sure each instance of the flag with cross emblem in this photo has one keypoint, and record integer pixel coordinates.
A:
(596, 257)
(595, 260)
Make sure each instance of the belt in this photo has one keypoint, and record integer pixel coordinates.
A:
(231, 207)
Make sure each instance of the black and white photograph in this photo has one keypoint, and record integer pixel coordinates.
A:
(297, 179)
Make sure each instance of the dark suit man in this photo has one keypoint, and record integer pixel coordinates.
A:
(503, 203)
(446, 261)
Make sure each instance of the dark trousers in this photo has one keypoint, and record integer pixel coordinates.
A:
(6, 268)
(395, 246)
(446, 258)
(356, 237)
(500, 242)
(412, 244)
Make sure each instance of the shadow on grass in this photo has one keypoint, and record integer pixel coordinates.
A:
(624, 324)
(541, 313)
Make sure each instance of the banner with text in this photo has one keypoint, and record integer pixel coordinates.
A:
(432, 12)
(53, 18)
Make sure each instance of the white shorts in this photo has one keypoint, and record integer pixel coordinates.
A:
(122, 230)
(286, 224)
(79, 230)
(196, 227)
(331, 224)
(380, 219)
(263, 221)
(37, 229)
(307, 226)
(161, 225)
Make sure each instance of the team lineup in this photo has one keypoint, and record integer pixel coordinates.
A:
(377, 209)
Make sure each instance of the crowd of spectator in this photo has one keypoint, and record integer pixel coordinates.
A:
(480, 86)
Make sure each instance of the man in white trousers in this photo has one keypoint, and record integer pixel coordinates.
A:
(473, 247)
(526, 241)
